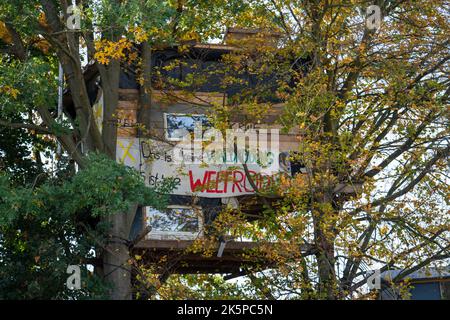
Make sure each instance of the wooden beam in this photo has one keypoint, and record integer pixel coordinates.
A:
(184, 244)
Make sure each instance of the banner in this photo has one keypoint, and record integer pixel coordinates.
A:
(155, 160)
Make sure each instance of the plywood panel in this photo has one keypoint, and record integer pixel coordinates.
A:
(127, 122)
(128, 94)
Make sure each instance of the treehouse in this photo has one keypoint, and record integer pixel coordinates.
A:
(191, 85)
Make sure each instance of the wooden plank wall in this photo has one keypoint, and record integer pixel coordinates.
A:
(177, 102)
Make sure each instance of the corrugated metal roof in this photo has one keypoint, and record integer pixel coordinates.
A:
(425, 273)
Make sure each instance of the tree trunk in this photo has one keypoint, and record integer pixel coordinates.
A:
(326, 265)
(117, 269)
(116, 256)
(145, 91)
(324, 240)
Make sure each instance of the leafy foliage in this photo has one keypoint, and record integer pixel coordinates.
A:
(46, 228)
(369, 109)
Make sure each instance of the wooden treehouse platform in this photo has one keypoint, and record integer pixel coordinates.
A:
(174, 256)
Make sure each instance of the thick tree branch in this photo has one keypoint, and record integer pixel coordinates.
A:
(33, 127)
(66, 140)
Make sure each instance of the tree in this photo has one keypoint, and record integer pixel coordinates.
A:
(108, 31)
(370, 109)
(25, 25)
(46, 227)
